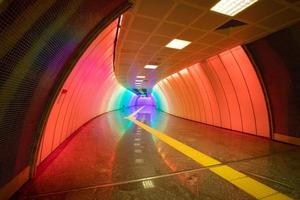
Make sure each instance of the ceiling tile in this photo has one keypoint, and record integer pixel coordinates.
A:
(154, 8)
(249, 32)
(167, 51)
(142, 56)
(259, 10)
(144, 24)
(136, 36)
(148, 49)
(211, 38)
(194, 47)
(281, 19)
(184, 14)
(168, 29)
(191, 34)
(182, 54)
(124, 63)
(227, 43)
(158, 40)
(292, 1)
(159, 59)
(130, 47)
(210, 21)
(125, 60)
(127, 54)
(211, 50)
(201, 3)
(199, 54)
(151, 24)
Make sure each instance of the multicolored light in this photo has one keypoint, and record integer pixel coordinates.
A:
(90, 90)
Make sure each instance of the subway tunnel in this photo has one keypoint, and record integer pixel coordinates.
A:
(150, 99)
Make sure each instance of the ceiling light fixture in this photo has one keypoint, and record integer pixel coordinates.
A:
(232, 7)
(151, 66)
(178, 44)
(138, 81)
(140, 76)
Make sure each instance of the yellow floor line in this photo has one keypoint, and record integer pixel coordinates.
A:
(240, 180)
(134, 113)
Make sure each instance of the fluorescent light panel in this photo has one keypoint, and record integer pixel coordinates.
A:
(232, 7)
(141, 77)
(151, 66)
(139, 81)
(148, 184)
(178, 44)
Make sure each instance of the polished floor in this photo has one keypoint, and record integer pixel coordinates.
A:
(112, 158)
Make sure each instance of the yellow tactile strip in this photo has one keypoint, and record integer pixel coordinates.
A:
(252, 187)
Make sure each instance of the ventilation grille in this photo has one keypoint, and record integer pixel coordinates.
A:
(231, 24)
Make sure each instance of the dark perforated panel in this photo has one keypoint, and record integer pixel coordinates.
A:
(278, 59)
(39, 39)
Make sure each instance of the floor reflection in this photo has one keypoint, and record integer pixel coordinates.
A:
(111, 158)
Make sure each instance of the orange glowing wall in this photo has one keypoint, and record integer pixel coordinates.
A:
(90, 90)
(222, 91)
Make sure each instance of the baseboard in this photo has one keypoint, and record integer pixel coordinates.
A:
(15, 184)
(287, 139)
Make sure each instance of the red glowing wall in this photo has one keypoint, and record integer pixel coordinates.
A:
(222, 91)
(90, 90)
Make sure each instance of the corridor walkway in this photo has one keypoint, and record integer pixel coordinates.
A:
(113, 158)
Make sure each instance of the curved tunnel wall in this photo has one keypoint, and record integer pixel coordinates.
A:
(90, 90)
(278, 59)
(222, 91)
(39, 41)
(145, 101)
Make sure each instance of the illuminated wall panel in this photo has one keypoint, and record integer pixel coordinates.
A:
(90, 90)
(145, 101)
(222, 91)
(230, 94)
(240, 88)
(220, 95)
(187, 80)
(260, 112)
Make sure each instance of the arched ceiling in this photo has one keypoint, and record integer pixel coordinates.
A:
(150, 24)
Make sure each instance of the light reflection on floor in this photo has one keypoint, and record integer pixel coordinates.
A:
(111, 158)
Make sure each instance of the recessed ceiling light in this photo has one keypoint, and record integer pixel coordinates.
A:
(232, 7)
(139, 81)
(151, 66)
(178, 44)
(140, 76)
